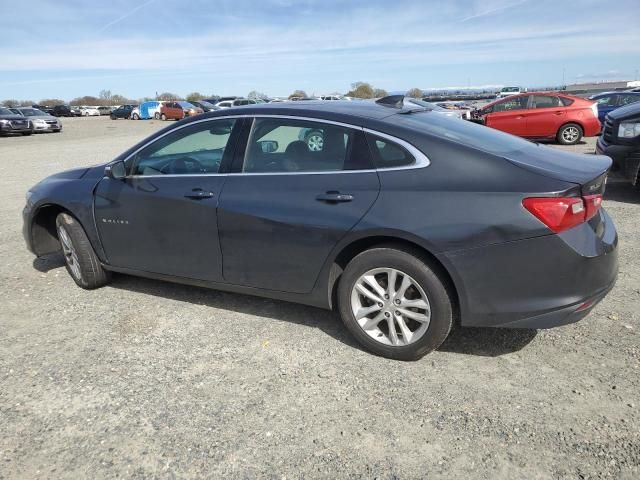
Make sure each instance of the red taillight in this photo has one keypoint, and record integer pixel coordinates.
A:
(563, 213)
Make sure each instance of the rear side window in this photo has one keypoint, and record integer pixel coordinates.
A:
(546, 101)
(566, 101)
(278, 145)
(388, 154)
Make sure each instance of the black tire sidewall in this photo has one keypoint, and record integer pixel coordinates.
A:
(92, 275)
(438, 296)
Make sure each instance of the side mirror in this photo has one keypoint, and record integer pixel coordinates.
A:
(268, 146)
(116, 171)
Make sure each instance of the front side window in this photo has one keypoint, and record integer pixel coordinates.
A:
(196, 149)
(289, 145)
(546, 101)
(514, 103)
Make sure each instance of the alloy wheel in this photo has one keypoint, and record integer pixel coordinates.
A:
(70, 255)
(390, 306)
(570, 134)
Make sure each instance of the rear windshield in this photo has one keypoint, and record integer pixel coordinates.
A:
(463, 132)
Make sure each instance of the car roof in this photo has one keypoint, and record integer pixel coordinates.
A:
(316, 108)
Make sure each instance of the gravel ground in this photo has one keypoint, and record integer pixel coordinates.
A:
(148, 379)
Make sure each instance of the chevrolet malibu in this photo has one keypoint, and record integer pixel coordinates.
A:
(404, 221)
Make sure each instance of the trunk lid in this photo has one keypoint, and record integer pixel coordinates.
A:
(578, 168)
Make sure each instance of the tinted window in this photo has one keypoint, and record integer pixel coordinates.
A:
(387, 154)
(546, 101)
(5, 111)
(287, 145)
(191, 150)
(515, 103)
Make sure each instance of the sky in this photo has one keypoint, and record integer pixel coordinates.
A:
(69, 48)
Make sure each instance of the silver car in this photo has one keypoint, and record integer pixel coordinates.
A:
(432, 107)
(42, 122)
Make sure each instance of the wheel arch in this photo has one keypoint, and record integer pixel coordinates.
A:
(357, 246)
(43, 232)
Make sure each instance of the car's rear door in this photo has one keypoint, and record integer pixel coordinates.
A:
(546, 115)
(162, 217)
(285, 206)
(509, 115)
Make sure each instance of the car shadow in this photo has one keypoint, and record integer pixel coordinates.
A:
(486, 342)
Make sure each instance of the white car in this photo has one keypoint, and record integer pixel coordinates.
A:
(238, 102)
(432, 107)
(508, 91)
(89, 111)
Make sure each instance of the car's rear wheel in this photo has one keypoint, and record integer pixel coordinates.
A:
(135, 116)
(81, 261)
(395, 303)
(163, 117)
(113, 117)
(569, 134)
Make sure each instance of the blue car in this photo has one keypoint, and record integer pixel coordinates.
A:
(609, 101)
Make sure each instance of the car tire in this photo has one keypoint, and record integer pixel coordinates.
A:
(81, 261)
(113, 117)
(569, 134)
(135, 116)
(156, 116)
(426, 285)
(163, 117)
(26, 134)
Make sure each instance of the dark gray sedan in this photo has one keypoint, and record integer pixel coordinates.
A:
(402, 220)
(14, 123)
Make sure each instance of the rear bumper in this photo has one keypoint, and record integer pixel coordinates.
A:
(540, 282)
(592, 127)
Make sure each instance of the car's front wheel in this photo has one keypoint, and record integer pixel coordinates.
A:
(163, 117)
(569, 134)
(135, 116)
(395, 303)
(81, 261)
(156, 115)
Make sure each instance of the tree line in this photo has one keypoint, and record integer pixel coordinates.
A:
(106, 98)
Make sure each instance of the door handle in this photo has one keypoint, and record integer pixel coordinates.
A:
(558, 113)
(334, 197)
(198, 194)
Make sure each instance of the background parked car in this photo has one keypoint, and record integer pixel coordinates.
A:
(508, 91)
(146, 110)
(178, 110)
(123, 111)
(13, 123)
(105, 110)
(432, 107)
(43, 108)
(41, 121)
(87, 111)
(609, 101)
(205, 106)
(543, 115)
(65, 111)
(238, 102)
(620, 140)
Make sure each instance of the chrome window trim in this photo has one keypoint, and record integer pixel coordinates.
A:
(422, 161)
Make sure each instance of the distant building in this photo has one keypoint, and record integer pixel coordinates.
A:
(595, 87)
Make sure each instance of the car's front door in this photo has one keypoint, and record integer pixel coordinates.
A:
(287, 206)
(162, 217)
(509, 115)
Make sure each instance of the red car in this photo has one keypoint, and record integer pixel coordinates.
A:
(178, 110)
(542, 115)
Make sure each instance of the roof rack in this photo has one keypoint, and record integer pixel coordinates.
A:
(395, 101)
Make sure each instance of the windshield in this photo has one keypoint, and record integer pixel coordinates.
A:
(186, 105)
(207, 104)
(31, 112)
(510, 89)
(6, 111)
